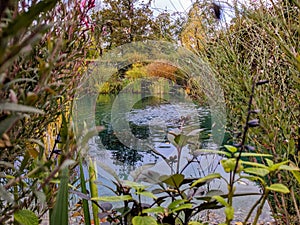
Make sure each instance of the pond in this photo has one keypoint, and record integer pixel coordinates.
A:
(149, 121)
(137, 131)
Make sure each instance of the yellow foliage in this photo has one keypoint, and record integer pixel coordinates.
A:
(192, 36)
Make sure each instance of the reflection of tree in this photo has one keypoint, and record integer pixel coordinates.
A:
(126, 158)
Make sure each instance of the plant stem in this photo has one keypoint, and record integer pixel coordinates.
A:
(259, 210)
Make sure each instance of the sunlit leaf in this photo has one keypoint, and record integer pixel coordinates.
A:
(229, 212)
(228, 164)
(26, 217)
(113, 198)
(231, 148)
(147, 194)
(279, 188)
(183, 206)
(195, 223)
(296, 175)
(143, 220)
(135, 185)
(257, 171)
(220, 199)
(206, 179)
(176, 203)
(249, 154)
(212, 151)
(158, 209)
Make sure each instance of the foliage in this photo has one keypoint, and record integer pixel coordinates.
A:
(263, 43)
(43, 48)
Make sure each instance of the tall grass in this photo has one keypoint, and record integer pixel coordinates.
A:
(263, 43)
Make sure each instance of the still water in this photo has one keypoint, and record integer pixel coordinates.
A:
(146, 137)
(136, 137)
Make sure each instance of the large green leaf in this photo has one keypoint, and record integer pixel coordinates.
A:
(176, 203)
(174, 180)
(257, 171)
(279, 188)
(147, 194)
(183, 206)
(143, 220)
(206, 179)
(60, 212)
(120, 198)
(26, 217)
(158, 209)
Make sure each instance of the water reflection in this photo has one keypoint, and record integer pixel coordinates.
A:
(150, 119)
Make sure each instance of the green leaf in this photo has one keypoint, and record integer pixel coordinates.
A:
(85, 204)
(26, 217)
(158, 209)
(175, 203)
(183, 206)
(221, 200)
(60, 211)
(147, 194)
(231, 148)
(288, 168)
(113, 198)
(174, 180)
(143, 220)
(194, 223)
(19, 108)
(135, 185)
(257, 171)
(201, 151)
(228, 164)
(269, 162)
(181, 140)
(250, 154)
(253, 164)
(296, 175)
(281, 188)
(206, 179)
(277, 166)
(229, 212)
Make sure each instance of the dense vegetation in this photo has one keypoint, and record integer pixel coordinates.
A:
(46, 46)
